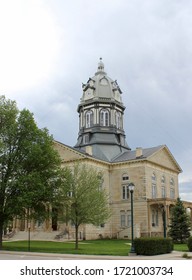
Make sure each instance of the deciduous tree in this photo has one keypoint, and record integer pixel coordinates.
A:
(83, 198)
(29, 165)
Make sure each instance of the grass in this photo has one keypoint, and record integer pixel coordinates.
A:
(181, 247)
(115, 247)
(91, 247)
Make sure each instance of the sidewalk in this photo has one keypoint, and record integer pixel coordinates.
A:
(175, 255)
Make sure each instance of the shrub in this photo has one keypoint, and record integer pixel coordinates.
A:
(153, 246)
(189, 243)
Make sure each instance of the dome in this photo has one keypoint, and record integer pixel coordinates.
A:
(101, 86)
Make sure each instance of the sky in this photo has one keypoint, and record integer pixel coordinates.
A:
(48, 48)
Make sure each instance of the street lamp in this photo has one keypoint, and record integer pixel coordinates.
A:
(164, 222)
(131, 189)
(29, 237)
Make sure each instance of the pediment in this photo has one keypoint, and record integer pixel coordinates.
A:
(67, 153)
(164, 158)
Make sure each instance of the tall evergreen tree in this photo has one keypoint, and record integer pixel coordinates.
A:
(180, 224)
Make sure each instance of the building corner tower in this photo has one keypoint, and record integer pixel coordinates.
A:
(101, 112)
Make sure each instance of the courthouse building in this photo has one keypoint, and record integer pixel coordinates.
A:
(102, 143)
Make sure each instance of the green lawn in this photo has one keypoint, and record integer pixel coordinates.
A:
(93, 247)
(181, 247)
(90, 247)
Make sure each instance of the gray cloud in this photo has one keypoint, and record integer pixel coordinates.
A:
(146, 46)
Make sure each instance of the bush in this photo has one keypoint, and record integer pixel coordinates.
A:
(189, 243)
(153, 246)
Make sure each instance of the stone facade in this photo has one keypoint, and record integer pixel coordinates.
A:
(101, 143)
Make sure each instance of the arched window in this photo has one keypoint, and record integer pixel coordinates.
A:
(163, 190)
(88, 119)
(118, 119)
(104, 117)
(172, 183)
(154, 187)
(172, 189)
(163, 179)
(153, 177)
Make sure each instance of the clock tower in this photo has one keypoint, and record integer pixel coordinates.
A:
(101, 113)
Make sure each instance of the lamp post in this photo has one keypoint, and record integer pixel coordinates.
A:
(131, 189)
(164, 222)
(29, 237)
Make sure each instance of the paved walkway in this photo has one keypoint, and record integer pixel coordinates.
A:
(175, 255)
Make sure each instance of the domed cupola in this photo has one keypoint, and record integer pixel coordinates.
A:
(101, 117)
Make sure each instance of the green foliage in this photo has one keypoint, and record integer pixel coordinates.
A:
(180, 224)
(153, 246)
(189, 243)
(29, 165)
(89, 247)
(81, 197)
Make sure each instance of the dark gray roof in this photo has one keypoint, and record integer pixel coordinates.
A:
(131, 155)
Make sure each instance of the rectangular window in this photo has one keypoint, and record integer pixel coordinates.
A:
(122, 220)
(86, 139)
(172, 193)
(129, 220)
(155, 218)
(125, 192)
(154, 191)
(163, 192)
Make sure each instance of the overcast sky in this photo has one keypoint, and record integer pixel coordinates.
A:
(49, 47)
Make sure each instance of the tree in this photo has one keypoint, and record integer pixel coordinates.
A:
(29, 165)
(180, 224)
(82, 197)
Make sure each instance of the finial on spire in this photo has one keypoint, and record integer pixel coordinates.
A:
(100, 65)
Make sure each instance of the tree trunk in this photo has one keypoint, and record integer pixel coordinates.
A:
(1, 235)
(76, 236)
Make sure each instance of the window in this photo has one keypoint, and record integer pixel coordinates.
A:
(118, 119)
(172, 189)
(163, 194)
(172, 183)
(125, 192)
(163, 189)
(86, 139)
(88, 119)
(172, 193)
(104, 117)
(154, 191)
(153, 177)
(163, 179)
(154, 187)
(122, 220)
(101, 180)
(125, 177)
(155, 218)
(125, 219)
(129, 220)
